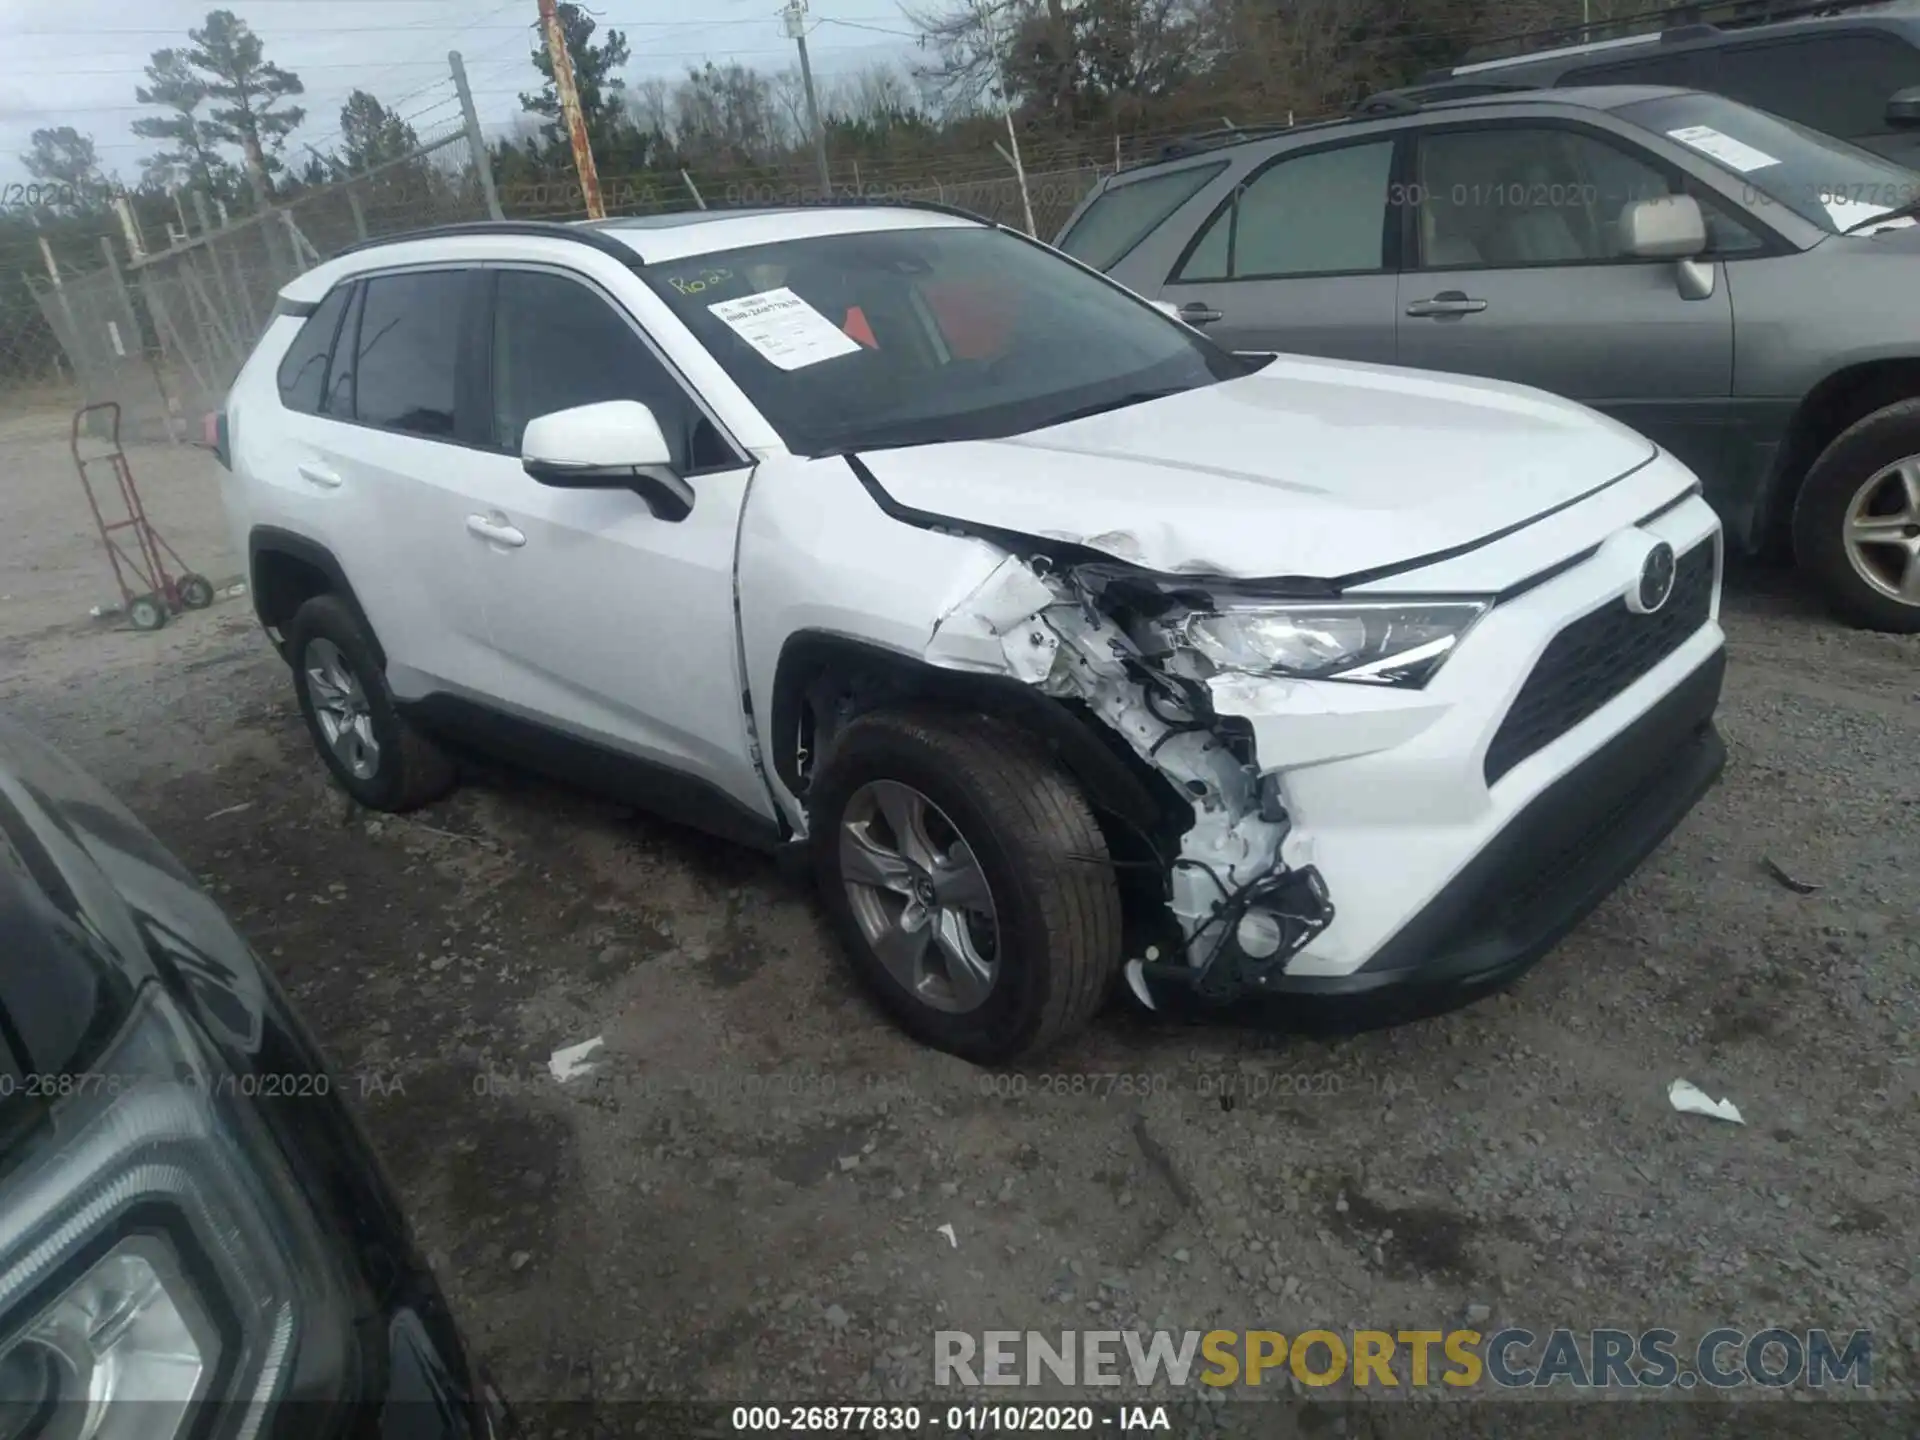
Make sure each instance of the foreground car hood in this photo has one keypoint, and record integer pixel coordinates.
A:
(1307, 468)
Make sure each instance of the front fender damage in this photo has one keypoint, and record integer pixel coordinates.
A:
(1086, 634)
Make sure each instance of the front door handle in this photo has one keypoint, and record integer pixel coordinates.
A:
(1196, 313)
(495, 531)
(319, 475)
(1448, 302)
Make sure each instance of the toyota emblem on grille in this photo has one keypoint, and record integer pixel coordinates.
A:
(1656, 580)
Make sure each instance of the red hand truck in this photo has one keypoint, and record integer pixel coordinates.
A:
(143, 558)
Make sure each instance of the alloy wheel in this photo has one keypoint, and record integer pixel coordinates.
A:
(1882, 531)
(919, 896)
(340, 706)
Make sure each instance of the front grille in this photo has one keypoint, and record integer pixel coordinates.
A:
(1598, 656)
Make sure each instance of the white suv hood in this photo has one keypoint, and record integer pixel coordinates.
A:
(1307, 468)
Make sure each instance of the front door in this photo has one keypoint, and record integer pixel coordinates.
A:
(1516, 273)
(611, 623)
(1297, 259)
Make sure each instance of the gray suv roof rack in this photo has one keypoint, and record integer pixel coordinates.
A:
(1672, 24)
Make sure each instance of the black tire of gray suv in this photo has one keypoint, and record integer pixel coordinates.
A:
(336, 675)
(1834, 491)
(989, 794)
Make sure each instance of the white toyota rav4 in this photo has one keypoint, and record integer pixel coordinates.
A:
(1062, 643)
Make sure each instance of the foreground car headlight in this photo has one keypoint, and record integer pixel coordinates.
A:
(1380, 642)
(154, 1253)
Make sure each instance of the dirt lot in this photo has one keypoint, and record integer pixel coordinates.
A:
(746, 1199)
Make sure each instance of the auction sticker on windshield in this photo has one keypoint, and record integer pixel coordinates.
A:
(1723, 147)
(784, 328)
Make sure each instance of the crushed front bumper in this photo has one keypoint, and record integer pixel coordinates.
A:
(1553, 862)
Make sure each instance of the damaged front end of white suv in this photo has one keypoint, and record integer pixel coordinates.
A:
(1185, 671)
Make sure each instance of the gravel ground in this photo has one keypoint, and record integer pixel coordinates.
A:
(746, 1197)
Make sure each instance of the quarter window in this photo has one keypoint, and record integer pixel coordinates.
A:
(1126, 214)
(303, 370)
(340, 372)
(1315, 214)
(408, 354)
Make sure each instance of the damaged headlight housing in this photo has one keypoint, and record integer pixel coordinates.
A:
(156, 1259)
(1377, 642)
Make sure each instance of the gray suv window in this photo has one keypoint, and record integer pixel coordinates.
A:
(1839, 84)
(1125, 215)
(1321, 213)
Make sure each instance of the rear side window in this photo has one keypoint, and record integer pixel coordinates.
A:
(303, 370)
(408, 356)
(340, 373)
(1321, 213)
(1689, 71)
(1839, 84)
(1127, 214)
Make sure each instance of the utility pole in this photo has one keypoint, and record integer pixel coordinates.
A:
(796, 18)
(570, 109)
(476, 142)
(985, 12)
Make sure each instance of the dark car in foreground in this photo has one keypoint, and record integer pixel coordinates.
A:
(195, 1238)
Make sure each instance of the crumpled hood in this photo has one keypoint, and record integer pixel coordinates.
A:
(1306, 468)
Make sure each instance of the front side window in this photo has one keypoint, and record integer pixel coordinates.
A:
(408, 355)
(303, 369)
(1125, 215)
(1315, 214)
(1779, 164)
(1512, 196)
(558, 344)
(925, 334)
(1838, 83)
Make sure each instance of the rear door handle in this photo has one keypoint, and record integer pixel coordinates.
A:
(1195, 313)
(319, 475)
(1448, 302)
(496, 532)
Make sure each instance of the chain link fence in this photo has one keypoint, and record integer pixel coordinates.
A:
(165, 334)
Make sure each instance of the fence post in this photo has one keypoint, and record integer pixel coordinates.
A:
(234, 318)
(476, 142)
(698, 202)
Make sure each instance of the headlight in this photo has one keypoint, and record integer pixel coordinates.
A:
(154, 1252)
(1380, 642)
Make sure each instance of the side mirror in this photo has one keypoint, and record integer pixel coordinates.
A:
(1670, 228)
(1903, 108)
(614, 445)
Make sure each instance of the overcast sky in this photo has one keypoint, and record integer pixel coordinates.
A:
(77, 62)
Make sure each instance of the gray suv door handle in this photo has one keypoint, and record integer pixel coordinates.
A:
(1195, 313)
(1448, 302)
(496, 532)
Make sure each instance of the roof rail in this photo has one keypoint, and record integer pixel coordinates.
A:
(551, 229)
(594, 232)
(1411, 98)
(1673, 23)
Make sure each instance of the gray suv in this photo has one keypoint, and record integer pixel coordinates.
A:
(1739, 288)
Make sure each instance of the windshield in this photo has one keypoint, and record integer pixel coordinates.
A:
(1817, 177)
(907, 337)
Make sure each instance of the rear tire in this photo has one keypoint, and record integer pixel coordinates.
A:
(998, 809)
(146, 612)
(377, 756)
(1856, 524)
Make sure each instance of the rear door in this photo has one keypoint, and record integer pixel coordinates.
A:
(393, 460)
(1300, 257)
(1515, 272)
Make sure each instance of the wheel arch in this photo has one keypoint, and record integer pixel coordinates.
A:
(823, 680)
(286, 569)
(1844, 397)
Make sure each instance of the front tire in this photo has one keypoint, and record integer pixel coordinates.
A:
(968, 880)
(377, 756)
(1856, 525)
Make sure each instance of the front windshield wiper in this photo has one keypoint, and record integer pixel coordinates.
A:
(1117, 402)
(1908, 211)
